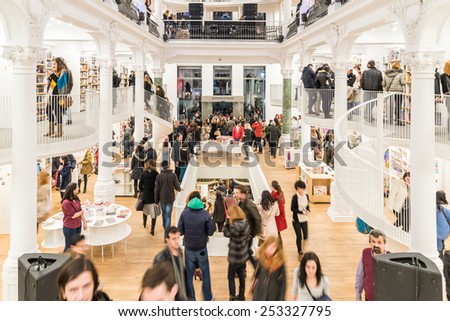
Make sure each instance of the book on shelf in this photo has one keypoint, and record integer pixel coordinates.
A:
(320, 190)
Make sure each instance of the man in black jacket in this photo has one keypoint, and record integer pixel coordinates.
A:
(371, 82)
(165, 186)
(308, 79)
(176, 153)
(172, 254)
(252, 214)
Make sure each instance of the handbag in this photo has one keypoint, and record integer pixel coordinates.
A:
(323, 297)
(139, 203)
(66, 101)
(155, 209)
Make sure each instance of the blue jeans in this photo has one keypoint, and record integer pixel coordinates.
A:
(69, 233)
(200, 258)
(166, 211)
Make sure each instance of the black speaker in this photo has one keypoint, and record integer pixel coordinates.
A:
(37, 276)
(406, 277)
(196, 10)
(250, 10)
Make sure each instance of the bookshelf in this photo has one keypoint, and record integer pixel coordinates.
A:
(93, 76)
(41, 86)
(41, 90)
(83, 82)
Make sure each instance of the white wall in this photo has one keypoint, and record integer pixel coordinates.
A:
(273, 77)
(5, 199)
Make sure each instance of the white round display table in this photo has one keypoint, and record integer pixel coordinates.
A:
(106, 225)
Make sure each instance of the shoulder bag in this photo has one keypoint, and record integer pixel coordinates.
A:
(323, 297)
(139, 203)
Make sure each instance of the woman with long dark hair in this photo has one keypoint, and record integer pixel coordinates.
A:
(268, 209)
(73, 214)
(147, 188)
(309, 282)
(278, 195)
(137, 166)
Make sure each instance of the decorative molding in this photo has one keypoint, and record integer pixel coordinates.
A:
(111, 32)
(139, 69)
(38, 13)
(333, 37)
(423, 61)
(341, 67)
(412, 25)
(23, 56)
(106, 64)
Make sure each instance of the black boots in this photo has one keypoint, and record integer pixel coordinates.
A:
(144, 220)
(241, 296)
(152, 231)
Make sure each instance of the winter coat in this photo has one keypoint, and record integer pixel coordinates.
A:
(247, 136)
(238, 133)
(86, 164)
(270, 286)
(147, 186)
(237, 248)
(308, 77)
(323, 80)
(257, 127)
(137, 165)
(253, 216)
(280, 219)
(165, 186)
(268, 223)
(273, 134)
(397, 195)
(371, 80)
(196, 226)
(394, 81)
(442, 226)
(219, 212)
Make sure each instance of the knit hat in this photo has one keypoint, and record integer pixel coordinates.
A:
(195, 204)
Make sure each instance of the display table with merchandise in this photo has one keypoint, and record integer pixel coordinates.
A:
(107, 224)
(318, 182)
(223, 144)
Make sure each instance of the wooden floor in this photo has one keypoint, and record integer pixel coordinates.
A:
(338, 245)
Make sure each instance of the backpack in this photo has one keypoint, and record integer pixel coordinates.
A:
(362, 226)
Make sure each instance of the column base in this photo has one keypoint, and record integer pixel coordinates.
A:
(105, 190)
(285, 141)
(338, 210)
(10, 279)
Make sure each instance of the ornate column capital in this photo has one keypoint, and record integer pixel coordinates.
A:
(422, 61)
(341, 67)
(139, 68)
(287, 73)
(410, 14)
(23, 56)
(158, 72)
(106, 64)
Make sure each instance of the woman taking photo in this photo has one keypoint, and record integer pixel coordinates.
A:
(309, 283)
(73, 214)
(270, 274)
(78, 281)
(147, 188)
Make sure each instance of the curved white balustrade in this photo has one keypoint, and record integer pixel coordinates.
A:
(313, 104)
(79, 133)
(123, 103)
(362, 183)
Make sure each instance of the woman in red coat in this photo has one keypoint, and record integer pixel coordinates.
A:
(278, 195)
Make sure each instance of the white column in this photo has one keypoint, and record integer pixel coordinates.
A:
(158, 14)
(23, 180)
(423, 153)
(139, 104)
(286, 15)
(285, 140)
(338, 210)
(104, 186)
